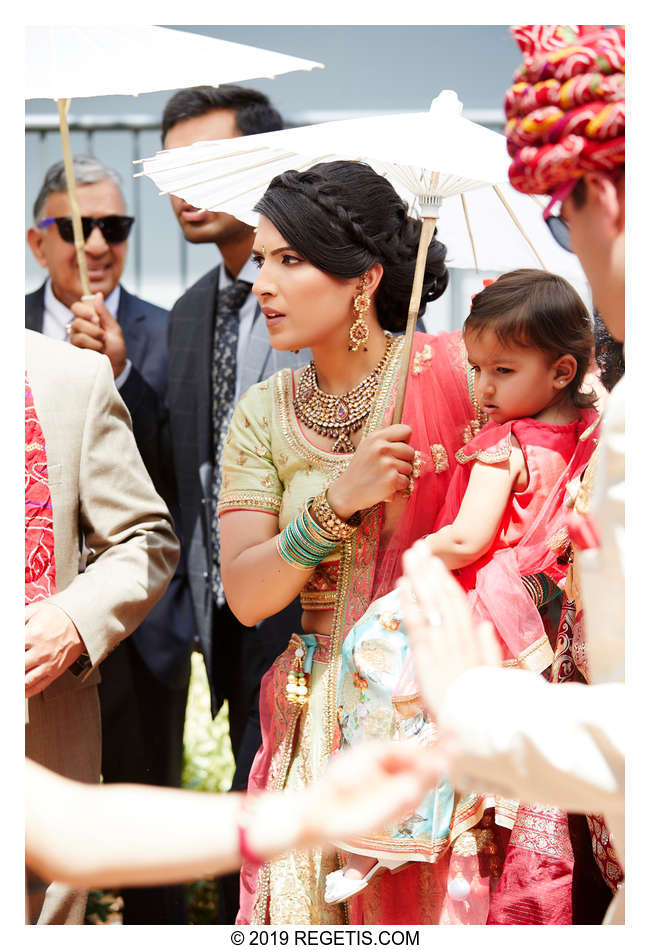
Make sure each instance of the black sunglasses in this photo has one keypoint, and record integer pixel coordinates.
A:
(114, 227)
(560, 231)
(557, 225)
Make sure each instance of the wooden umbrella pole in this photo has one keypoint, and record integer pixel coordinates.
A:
(79, 243)
(514, 217)
(469, 231)
(428, 227)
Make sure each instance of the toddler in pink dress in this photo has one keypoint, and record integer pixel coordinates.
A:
(529, 343)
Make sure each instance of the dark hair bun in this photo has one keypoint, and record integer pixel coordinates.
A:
(394, 294)
(344, 218)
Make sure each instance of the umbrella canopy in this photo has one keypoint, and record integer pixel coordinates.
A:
(428, 153)
(66, 62)
(434, 155)
(69, 62)
(429, 156)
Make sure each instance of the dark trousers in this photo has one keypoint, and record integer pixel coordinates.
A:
(142, 741)
(241, 657)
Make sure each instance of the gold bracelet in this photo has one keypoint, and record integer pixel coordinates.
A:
(325, 516)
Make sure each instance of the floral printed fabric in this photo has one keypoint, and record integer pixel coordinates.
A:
(373, 655)
(39, 534)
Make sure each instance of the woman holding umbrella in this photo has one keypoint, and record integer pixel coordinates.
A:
(315, 479)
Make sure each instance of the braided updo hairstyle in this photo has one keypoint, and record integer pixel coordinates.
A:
(344, 217)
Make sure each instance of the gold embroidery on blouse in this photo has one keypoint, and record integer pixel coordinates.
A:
(471, 430)
(267, 481)
(440, 459)
(559, 540)
(318, 599)
(385, 385)
(483, 455)
(258, 501)
(241, 458)
(245, 421)
(326, 462)
(265, 422)
(417, 464)
(261, 450)
(422, 356)
(586, 489)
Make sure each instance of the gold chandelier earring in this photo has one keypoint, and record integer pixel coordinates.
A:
(359, 331)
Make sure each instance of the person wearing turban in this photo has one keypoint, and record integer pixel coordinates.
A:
(561, 744)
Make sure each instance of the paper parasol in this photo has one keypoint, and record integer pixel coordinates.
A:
(430, 156)
(66, 62)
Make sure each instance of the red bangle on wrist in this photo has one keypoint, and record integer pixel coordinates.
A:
(244, 818)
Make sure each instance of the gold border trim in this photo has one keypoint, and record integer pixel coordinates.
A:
(257, 501)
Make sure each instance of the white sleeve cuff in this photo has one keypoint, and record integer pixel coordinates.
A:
(124, 375)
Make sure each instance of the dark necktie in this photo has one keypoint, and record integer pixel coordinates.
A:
(224, 384)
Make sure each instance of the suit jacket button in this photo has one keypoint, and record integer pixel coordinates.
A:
(205, 575)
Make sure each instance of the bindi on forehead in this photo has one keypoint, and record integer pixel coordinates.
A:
(271, 251)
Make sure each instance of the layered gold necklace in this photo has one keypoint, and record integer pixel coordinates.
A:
(338, 415)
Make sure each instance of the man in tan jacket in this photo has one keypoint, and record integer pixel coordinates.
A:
(102, 495)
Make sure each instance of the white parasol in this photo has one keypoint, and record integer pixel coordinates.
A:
(431, 158)
(69, 62)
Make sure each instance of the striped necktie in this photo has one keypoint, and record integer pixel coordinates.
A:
(224, 384)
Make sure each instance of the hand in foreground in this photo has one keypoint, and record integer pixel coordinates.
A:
(380, 467)
(94, 328)
(52, 643)
(444, 640)
(365, 788)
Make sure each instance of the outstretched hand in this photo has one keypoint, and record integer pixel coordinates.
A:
(444, 639)
(95, 328)
(365, 788)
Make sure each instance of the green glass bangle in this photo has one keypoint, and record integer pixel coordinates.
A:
(302, 543)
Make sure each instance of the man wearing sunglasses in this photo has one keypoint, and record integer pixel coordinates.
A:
(144, 681)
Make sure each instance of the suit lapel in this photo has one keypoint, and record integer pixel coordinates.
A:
(129, 316)
(35, 309)
(205, 342)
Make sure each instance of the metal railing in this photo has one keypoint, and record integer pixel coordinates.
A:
(155, 239)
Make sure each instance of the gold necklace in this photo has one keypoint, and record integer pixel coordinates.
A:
(338, 415)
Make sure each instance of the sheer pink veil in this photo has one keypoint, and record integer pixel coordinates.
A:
(442, 417)
(499, 595)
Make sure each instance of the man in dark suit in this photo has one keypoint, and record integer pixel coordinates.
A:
(143, 690)
(218, 347)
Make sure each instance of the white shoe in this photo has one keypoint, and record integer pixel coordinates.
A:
(340, 888)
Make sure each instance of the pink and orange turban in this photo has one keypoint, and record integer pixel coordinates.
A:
(566, 109)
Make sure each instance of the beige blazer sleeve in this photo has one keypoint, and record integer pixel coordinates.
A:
(100, 492)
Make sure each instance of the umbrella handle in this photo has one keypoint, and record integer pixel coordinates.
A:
(79, 243)
(426, 233)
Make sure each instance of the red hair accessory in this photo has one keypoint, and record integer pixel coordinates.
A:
(486, 283)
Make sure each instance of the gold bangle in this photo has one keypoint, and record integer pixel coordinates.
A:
(325, 516)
